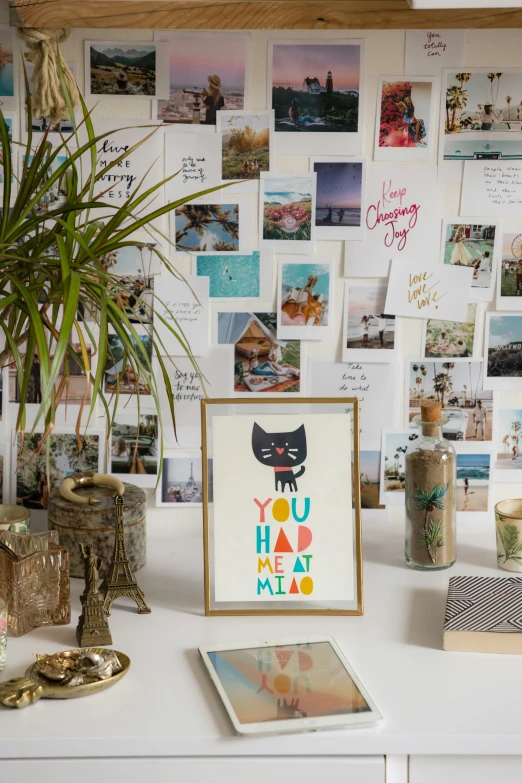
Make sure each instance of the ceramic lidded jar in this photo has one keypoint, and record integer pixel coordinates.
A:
(94, 525)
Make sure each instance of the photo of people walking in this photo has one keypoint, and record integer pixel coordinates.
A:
(367, 328)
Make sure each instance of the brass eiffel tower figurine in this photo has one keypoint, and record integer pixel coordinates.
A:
(119, 580)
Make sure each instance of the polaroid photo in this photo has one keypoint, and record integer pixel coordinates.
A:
(316, 90)
(40, 125)
(472, 243)
(183, 304)
(457, 385)
(246, 139)
(56, 195)
(213, 225)
(370, 481)
(509, 271)
(8, 69)
(261, 363)
(181, 481)
(242, 277)
(194, 159)
(340, 200)
(304, 298)
(452, 339)
(507, 443)
(286, 210)
(120, 377)
(209, 72)
(123, 69)
(405, 128)
(393, 465)
(503, 351)
(368, 332)
(474, 489)
(133, 448)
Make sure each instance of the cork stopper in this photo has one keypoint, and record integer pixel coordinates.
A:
(431, 410)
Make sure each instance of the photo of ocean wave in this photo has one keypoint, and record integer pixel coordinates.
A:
(231, 277)
(480, 475)
(338, 216)
(473, 471)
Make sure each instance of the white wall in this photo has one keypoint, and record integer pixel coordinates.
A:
(384, 56)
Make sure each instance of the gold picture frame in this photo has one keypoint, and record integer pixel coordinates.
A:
(237, 406)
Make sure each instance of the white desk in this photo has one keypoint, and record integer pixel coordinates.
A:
(165, 718)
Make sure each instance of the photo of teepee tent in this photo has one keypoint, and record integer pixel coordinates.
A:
(262, 362)
(457, 386)
(508, 442)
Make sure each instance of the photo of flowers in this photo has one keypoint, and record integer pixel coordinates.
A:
(508, 444)
(473, 245)
(287, 207)
(369, 464)
(473, 481)
(262, 362)
(246, 144)
(453, 339)
(304, 299)
(509, 280)
(481, 114)
(503, 343)
(208, 73)
(136, 69)
(368, 332)
(314, 88)
(134, 447)
(404, 121)
(457, 385)
(120, 376)
(208, 228)
(339, 197)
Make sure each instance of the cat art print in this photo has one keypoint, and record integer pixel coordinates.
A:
(281, 451)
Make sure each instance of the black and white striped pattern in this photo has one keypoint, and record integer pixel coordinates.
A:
(478, 603)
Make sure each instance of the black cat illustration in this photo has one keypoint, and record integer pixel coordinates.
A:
(281, 451)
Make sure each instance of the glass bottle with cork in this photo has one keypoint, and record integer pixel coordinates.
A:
(430, 494)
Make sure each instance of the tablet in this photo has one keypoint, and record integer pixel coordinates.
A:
(286, 685)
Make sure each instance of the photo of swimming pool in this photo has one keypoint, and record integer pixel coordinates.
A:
(231, 277)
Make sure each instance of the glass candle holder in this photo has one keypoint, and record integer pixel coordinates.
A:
(14, 517)
(3, 633)
(508, 523)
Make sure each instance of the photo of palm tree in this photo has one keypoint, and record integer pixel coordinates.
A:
(508, 439)
(457, 386)
(395, 445)
(370, 479)
(483, 114)
(207, 228)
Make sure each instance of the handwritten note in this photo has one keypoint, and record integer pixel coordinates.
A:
(196, 161)
(184, 306)
(402, 218)
(364, 381)
(492, 188)
(428, 291)
(427, 52)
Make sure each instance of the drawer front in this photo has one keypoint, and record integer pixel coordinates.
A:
(356, 769)
(464, 769)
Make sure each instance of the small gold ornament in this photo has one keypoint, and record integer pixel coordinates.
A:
(93, 626)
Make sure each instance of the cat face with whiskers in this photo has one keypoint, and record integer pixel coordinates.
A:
(279, 449)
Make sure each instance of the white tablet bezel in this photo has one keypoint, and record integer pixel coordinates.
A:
(292, 725)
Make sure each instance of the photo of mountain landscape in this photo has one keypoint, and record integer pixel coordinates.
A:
(117, 68)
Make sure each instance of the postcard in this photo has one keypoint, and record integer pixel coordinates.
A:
(194, 158)
(428, 290)
(209, 71)
(262, 363)
(181, 479)
(221, 224)
(287, 207)
(246, 147)
(492, 188)
(8, 69)
(507, 432)
(458, 386)
(451, 339)
(183, 304)
(120, 375)
(370, 480)
(509, 273)
(241, 277)
(304, 299)
(472, 244)
(134, 449)
(315, 88)
(403, 205)
(393, 465)
(364, 381)
(405, 119)
(427, 52)
(503, 351)
(368, 331)
(476, 122)
(474, 488)
(340, 200)
(127, 69)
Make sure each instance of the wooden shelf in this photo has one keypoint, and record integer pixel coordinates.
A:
(251, 15)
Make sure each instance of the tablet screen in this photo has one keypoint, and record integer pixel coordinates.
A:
(287, 682)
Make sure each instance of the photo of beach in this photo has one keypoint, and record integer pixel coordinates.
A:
(508, 439)
(368, 327)
(305, 294)
(369, 464)
(472, 245)
(339, 193)
(232, 277)
(451, 338)
(207, 74)
(473, 482)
